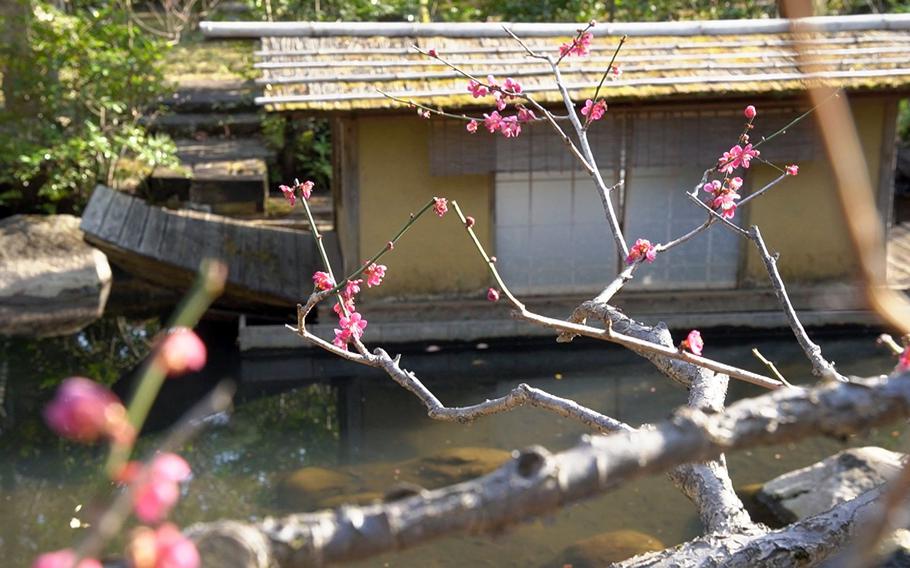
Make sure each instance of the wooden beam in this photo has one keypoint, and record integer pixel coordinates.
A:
(490, 29)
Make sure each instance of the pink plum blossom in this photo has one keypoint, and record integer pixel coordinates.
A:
(65, 558)
(351, 289)
(792, 170)
(493, 295)
(441, 206)
(306, 188)
(525, 114)
(157, 489)
(342, 338)
(472, 126)
(348, 305)
(641, 250)
(725, 195)
(289, 194)
(616, 70)
(580, 46)
(432, 52)
(750, 112)
(693, 342)
(181, 351)
(423, 113)
(510, 127)
(594, 111)
(375, 273)
(477, 89)
(512, 86)
(323, 280)
(83, 410)
(492, 122)
(737, 156)
(350, 327)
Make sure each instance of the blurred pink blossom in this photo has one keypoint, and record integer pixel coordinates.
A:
(83, 410)
(157, 489)
(181, 351)
(65, 558)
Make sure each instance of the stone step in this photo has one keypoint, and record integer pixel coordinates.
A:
(222, 150)
(213, 96)
(190, 124)
(219, 175)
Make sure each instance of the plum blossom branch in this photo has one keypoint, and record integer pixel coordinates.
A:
(797, 120)
(771, 366)
(608, 334)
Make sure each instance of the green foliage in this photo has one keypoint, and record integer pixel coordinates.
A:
(310, 146)
(75, 88)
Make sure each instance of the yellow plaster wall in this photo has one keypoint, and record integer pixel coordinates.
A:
(436, 255)
(801, 218)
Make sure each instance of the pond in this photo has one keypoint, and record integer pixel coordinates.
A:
(357, 434)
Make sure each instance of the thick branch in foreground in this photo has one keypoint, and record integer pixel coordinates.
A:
(537, 482)
(804, 543)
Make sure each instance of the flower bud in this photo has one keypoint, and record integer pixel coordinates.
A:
(493, 295)
(83, 410)
(750, 112)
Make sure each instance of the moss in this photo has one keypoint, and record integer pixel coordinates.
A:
(216, 61)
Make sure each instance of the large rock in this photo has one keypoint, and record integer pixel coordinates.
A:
(841, 477)
(51, 281)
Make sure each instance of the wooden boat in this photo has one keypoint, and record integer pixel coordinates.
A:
(267, 265)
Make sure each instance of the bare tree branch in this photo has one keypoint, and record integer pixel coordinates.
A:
(536, 482)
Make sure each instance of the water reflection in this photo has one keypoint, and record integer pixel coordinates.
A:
(356, 434)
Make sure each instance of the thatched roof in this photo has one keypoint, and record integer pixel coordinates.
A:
(340, 66)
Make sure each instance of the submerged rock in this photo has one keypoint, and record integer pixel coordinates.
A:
(841, 477)
(51, 281)
(454, 465)
(308, 487)
(317, 488)
(605, 548)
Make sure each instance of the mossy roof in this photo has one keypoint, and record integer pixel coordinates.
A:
(344, 73)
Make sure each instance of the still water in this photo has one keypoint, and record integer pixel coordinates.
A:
(358, 434)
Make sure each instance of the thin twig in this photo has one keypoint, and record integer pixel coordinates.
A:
(771, 366)
(821, 367)
(609, 68)
(888, 341)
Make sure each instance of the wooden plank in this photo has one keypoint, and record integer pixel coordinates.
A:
(251, 275)
(173, 239)
(192, 251)
(231, 240)
(154, 232)
(134, 226)
(269, 266)
(287, 265)
(97, 207)
(116, 216)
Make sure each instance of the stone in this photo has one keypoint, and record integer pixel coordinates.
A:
(309, 487)
(606, 548)
(453, 465)
(838, 478)
(51, 281)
